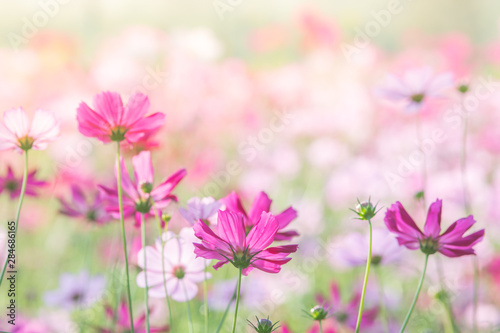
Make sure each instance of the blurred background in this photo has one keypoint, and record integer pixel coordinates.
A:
(259, 96)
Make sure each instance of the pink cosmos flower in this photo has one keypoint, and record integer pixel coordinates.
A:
(183, 270)
(123, 321)
(12, 185)
(139, 194)
(347, 314)
(90, 207)
(261, 204)
(415, 86)
(451, 243)
(111, 121)
(200, 209)
(245, 251)
(18, 134)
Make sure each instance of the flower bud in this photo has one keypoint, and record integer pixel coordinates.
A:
(318, 313)
(366, 210)
(264, 325)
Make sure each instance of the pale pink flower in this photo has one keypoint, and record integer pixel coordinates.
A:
(415, 86)
(200, 209)
(17, 133)
(183, 270)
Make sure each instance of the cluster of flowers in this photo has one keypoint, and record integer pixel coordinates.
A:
(221, 230)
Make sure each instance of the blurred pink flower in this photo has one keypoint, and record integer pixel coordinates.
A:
(183, 270)
(347, 314)
(200, 209)
(451, 243)
(415, 86)
(16, 133)
(12, 185)
(232, 244)
(91, 208)
(123, 321)
(76, 290)
(111, 121)
(140, 195)
(261, 204)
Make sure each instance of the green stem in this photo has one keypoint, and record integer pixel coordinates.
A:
(227, 310)
(146, 289)
(160, 231)
(237, 301)
(476, 294)
(320, 327)
(416, 295)
(124, 237)
(365, 283)
(205, 295)
(190, 319)
(20, 203)
(383, 308)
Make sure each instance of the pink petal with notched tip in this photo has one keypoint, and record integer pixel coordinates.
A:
(110, 106)
(143, 168)
(261, 203)
(91, 124)
(231, 228)
(263, 232)
(149, 124)
(432, 226)
(136, 108)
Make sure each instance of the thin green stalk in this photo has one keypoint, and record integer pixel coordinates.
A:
(124, 237)
(20, 203)
(237, 301)
(205, 296)
(227, 310)
(476, 294)
(320, 327)
(416, 295)
(160, 231)
(383, 308)
(367, 272)
(146, 289)
(190, 319)
(446, 301)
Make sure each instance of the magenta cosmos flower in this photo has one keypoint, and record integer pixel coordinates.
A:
(140, 194)
(12, 185)
(415, 86)
(89, 207)
(111, 121)
(451, 243)
(16, 132)
(261, 204)
(245, 251)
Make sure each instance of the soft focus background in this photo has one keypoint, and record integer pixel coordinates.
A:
(226, 73)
